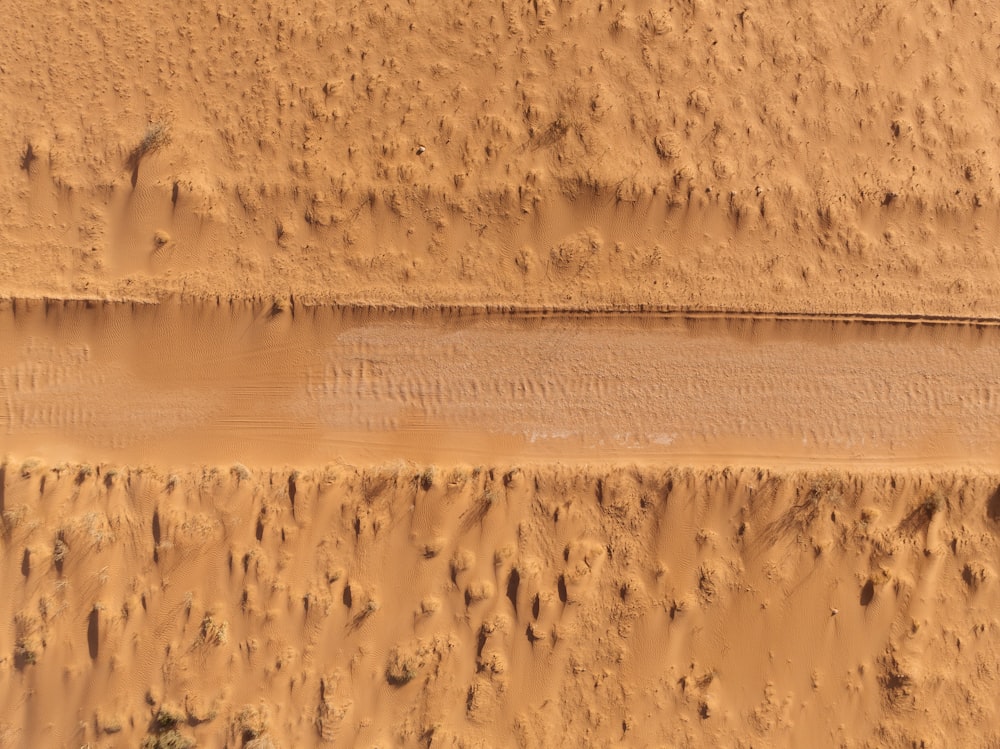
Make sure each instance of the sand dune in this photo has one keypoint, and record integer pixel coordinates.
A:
(461, 606)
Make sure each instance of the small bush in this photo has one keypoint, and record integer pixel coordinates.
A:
(110, 725)
(29, 466)
(401, 669)
(934, 503)
(59, 550)
(13, 517)
(251, 723)
(213, 632)
(166, 719)
(261, 742)
(24, 654)
(156, 137)
(171, 739)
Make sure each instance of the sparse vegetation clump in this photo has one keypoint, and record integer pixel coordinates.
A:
(12, 518)
(167, 719)
(59, 550)
(934, 503)
(29, 467)
(251, 724)
(213, 632)
(164, 733)
(110, 726)
(24, 654)
(261, 742)
(826, 486)
(156, 137)
(461, 561)
(401, 668)
(172, 739)
(458, 478)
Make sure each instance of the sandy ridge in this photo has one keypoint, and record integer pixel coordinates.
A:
(598, 312)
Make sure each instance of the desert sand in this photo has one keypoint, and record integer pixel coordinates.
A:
(179, 383)
(488, 374)
(837, 158)
(474, 606)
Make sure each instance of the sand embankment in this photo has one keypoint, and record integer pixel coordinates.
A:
(837, 158)
(460, 604)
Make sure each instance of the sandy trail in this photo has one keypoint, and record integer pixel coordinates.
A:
(186, 383)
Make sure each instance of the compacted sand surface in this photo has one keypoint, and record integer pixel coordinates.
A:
(186, 382)
(488, 374)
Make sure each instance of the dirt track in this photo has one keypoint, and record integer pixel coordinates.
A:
(190, 382)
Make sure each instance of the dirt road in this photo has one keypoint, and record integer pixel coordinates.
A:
(190, 382)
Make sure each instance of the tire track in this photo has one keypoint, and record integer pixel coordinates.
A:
(267, 306)
(265, 383)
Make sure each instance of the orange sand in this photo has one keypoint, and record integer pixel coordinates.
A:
(708, 293)
(462, 606)
(834, 158)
